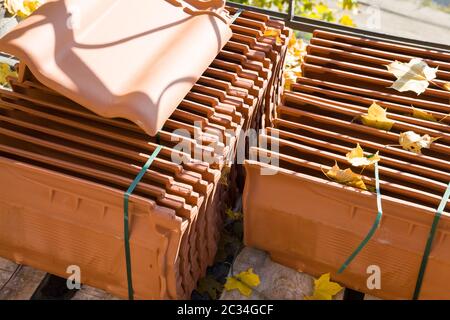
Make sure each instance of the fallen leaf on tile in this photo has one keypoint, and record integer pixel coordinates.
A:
(422, 114)
(412, 76)
(274, 33)
(414, 142)
(376, 117)
(210, 286)
(447, 86)
(5, 72)
(324, 289)
(357, 158)
(347, 177)
(244, 282)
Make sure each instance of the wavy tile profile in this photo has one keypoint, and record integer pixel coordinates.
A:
(139, 71)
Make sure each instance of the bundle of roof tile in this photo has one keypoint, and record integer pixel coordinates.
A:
(64, 171)
(312, 223)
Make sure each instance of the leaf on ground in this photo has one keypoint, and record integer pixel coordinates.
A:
(225, 175)
(376, 117)
(296, 51)
(234, 216)
(244, 282)
(210, 286)
(294, 60)
(346, 177)
(324, 289)
(412, 76)
(290, 77)
(414, 142)
(422, 114)
(5, 72)
(357, 158)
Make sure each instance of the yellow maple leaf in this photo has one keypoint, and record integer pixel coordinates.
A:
(347, 177)
(324, 289)
(422, 114)
(244, 282)
(414, 142)
(274, 33)
(412, 76)
(376, 117)
(357, 158)
(5, 72)
(346, 20)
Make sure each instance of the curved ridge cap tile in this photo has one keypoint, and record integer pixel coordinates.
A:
(139, 71)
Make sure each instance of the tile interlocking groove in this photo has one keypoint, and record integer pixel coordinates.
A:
(314, 223)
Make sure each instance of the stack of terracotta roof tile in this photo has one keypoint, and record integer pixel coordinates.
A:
(64, 171)
(311, 223)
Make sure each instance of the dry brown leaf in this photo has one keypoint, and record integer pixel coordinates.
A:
(357, 158)
(376, 117)
(422, 114)
(412, 76)
(414, 142)
(347, 177)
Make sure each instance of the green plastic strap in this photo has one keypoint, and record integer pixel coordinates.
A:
(236, 15)
(429, 244)
(374, 226)
(126, 218)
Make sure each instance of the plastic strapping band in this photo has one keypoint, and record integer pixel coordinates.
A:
(374, 226)
(126, 218)
(236, 15)
(429, 244)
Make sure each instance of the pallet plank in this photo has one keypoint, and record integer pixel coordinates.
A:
(18, 282)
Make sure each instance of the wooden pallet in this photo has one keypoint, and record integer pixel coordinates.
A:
(18, 282)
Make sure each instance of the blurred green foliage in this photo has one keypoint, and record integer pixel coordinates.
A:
(309, 8)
